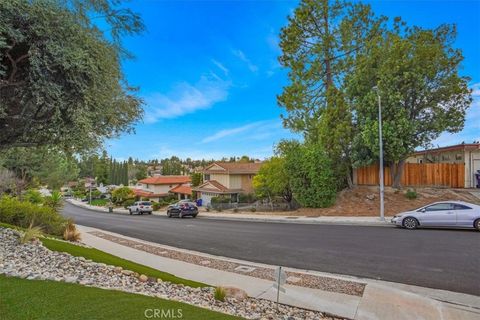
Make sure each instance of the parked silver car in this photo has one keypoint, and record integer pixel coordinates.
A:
(455, 214)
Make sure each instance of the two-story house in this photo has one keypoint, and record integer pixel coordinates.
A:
(228, 179)
(158, 187)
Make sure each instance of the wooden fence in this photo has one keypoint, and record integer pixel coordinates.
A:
(417, 174)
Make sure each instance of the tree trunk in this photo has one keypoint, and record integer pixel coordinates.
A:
(396, 171)
(349, 179)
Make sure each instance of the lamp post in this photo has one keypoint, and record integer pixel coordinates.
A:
(380, 138)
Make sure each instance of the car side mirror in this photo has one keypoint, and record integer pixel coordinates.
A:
(423, 210)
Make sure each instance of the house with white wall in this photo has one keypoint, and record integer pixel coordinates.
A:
(228, 179)
(158, 187)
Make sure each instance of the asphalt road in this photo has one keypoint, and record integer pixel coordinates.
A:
(441, 259)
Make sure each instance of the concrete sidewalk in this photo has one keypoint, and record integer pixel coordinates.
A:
(338, 220)
(380, 299)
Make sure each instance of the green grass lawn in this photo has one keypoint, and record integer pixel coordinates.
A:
(99, 202)
(22, 299)
(103, 257)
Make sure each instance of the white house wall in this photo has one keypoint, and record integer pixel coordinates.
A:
(224, 179)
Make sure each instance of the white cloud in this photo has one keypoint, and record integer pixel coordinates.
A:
(239, 54)
(186, 98)
(259, 130)
(230, 132)
(221, 67)
(476, 90)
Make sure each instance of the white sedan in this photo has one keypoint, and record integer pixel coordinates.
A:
(452, 214)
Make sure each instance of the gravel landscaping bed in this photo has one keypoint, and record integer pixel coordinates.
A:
(293, 278)
(34, 261)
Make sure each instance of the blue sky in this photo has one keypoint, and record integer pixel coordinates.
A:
(209, 74)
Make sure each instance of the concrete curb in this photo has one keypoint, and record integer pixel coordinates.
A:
(381, 299)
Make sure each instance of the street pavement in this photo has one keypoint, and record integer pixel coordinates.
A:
(440, 259)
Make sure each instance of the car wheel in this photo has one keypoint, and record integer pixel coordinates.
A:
(410, 223)
(169, 214)
(130, 211)
(476, 224)
(141, 212)
(194, 216)
(150, 212)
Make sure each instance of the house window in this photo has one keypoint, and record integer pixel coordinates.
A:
(207, 177)
(420, 160)
(459, 156)
(445, 157)
(147, 186)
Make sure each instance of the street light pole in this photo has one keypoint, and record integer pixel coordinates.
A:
(380, 138)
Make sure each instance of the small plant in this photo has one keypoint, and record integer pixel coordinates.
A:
(32, 232)
(411, 194)
(71, 233)
(219, 294)
(253, 209)
(207, 208)
(235, 210)
(54, 201)
(219, 209)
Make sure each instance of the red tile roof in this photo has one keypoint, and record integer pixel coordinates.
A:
(235, 167)
(182, 189)
(166, 180)
(148, 194)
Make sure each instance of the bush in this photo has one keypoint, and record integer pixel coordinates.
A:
(411, 194)
(235, 210)
(156, 206)
(246, 198)
(33, 196)
(220, 199)
(23, 213)
(312, 178)
(127, 203)
(71, 233)
(31, 233)
(54, 201)
(120, 195)
(219, 294)
(253, 209)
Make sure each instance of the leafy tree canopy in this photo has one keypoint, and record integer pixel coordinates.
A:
(61, 81)
(416, 72)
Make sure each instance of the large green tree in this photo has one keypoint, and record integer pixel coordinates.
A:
(416, 72)
(273, 180)
(61, 81)
(318, 48)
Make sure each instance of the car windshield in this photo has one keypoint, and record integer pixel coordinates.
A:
(146, 203)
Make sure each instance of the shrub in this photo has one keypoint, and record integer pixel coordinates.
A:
(79, 194)
(54, 201)
(127, 203)
(253, 209)
(235, 210)
(33, 196)
(22, 213)
(71, 233)
(156, 206)
(219, 294)
(31, 233)
(119, 195)
(312, 177)
(220, 199)
(207, 208)
(411, 194)
(246, 198)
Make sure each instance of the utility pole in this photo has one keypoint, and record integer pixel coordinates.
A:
(380, 138)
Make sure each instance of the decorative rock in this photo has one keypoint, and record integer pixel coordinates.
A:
(370, 197)
(34, 261)
(235, 293)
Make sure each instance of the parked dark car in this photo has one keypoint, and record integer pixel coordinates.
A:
(182, 209)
